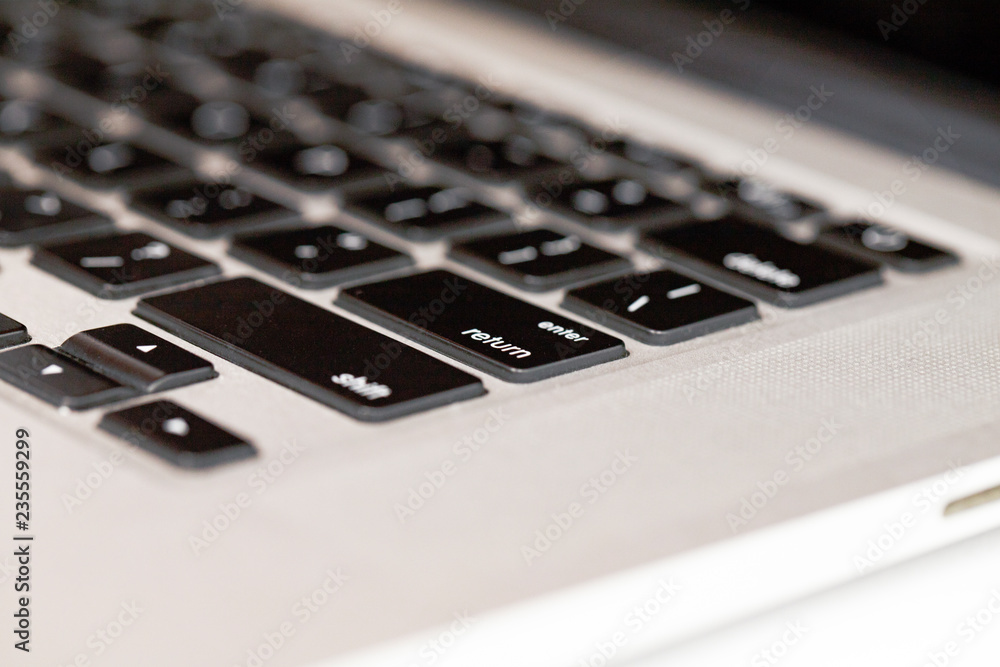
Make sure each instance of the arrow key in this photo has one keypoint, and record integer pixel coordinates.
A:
(177, 435)
(58, 379)
(137, 358)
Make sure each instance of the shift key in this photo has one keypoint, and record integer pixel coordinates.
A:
(309, 349)
(488, 330)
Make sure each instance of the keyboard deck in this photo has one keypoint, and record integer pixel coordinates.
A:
(293, 147)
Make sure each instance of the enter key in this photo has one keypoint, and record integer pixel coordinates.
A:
(486, 329)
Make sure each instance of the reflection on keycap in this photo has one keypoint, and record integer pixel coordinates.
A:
(38, 216)
(491, 331)
(755, 259)
(613, 204)
(539, 260)
(888, 246)
(660, 308)
(207, 210)
(428, 213)
(116, 267)
(318, 256)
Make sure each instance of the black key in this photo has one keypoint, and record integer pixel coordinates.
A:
(208, 210)
(36, 216)
(337, 99)
(653, 158)
(887, 246)
(108, 165)
(761, 200)
(491, 331)
(429, 213)
(24, 118)
(313, 167)
(539, 260)
(757, 260)
(178, 435)
(12, 332)
(660, 308)
(516, 157)
(124, 265)
(137, 358)
(276, 76)
(216, 121)
(317, 257)
(58, 379)
(617, 205)
(311, 350)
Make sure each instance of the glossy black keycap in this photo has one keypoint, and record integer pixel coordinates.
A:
(489, 330)
(37, 216)
(208, 210)
(25, 118)
(12, 332)
(652, 158)
(215, 122)
(58, 379)
(757, 260)
(313, 167)
(539, 260)
(137, 358)
(316, 257)
(660, 308)
(177, 435)
(888, 246)
(123, 265)
(115, 164)
(428, 213)
(311, 350)
(617, 205)
(762, 200)
(516, 157)
(336, 99)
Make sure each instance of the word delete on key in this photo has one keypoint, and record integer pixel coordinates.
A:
(486, 329)
(757, 260)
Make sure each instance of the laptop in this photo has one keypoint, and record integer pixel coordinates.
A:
(510, 333)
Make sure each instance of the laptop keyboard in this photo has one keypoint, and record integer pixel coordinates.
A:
(171, 87)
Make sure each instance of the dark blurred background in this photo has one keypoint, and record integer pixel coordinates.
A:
(961, 35)
(901, 68)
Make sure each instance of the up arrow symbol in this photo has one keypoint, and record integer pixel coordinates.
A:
(145, 348)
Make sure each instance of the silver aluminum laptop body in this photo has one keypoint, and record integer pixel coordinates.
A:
(630, 505)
